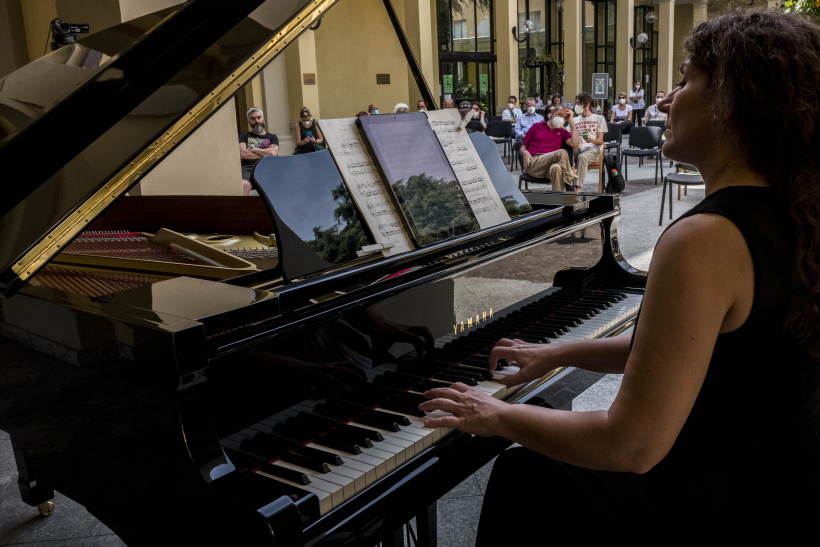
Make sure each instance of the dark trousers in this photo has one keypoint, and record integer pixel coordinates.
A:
(637, 115)
(534, 500)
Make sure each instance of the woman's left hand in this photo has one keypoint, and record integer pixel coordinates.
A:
(472, 410)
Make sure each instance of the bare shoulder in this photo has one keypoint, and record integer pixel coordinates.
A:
(701, 236)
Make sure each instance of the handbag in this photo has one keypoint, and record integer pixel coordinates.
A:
(615, 181)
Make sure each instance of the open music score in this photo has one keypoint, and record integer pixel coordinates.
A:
(482, 196)
(366, 185)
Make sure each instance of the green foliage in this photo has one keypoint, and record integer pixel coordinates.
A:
(340, 242)
(435, 208)
(513, 207)
(805, 7)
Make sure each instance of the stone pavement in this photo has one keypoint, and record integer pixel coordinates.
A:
(72, 526)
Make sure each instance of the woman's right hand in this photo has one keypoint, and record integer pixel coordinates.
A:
(533, 360)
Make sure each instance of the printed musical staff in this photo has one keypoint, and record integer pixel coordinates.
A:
(487, 207)
(365, 184)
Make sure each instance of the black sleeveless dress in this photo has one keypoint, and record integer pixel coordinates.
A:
(748, 456)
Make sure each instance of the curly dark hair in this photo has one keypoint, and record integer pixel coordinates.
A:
(765, 65)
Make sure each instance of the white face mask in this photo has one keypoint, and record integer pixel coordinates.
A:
(557, 122)
(622, 101)
(637, 86)
(510, 105)
(658, 100)
(579, 109)
(530, 110)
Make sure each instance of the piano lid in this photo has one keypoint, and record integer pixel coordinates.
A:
(63, 117)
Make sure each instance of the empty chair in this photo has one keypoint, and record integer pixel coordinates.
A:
(657, 123)
(613, 138)
(502, 132)
(644, 142)
(681, 179)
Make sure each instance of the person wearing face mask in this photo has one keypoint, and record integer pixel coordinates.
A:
(373, 109)
(474, 116)
(512, 112)
(527, 120)
(401, 108)
(421, 106)
(309, 137)
(589, 132)
(636, 100)
(255, 145)
(621, 114)
(543, 153)
(652, 113)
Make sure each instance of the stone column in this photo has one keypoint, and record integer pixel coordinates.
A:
(666, 46)
(506, 49)
(573, 49)
(624, 54)
(303, 79)
(419, 31)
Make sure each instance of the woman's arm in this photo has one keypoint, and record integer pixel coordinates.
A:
(320, 137)
(701, 282)
(629, 115)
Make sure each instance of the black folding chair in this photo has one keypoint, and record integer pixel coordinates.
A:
(644, 142)
(681, 179)
(502, 132)
(613, 138)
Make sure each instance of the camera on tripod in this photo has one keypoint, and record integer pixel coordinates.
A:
(63, 33)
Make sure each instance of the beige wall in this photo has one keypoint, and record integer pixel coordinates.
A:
(354, 43)
(13, 49)
(506, 51)
(624, 54)
(37, 16)
(205, 163)
(683, 24)
(278, 111)
(131, 9)
(419, 28)
(573, 54)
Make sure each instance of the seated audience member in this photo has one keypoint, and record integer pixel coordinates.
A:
(539, 102)
(373, 109)
(309, 137)
(362, 113)
(255, 145)
(542, 154)
(421, 106)
(591, 128)
(477, 122)
(512, 112)
(448, 103)
(621, 114)
(401, 108)
(652, 113)
(527, 120)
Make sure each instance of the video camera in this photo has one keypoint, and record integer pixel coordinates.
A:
(66, 33)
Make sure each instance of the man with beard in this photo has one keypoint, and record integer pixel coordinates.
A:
(255, 145)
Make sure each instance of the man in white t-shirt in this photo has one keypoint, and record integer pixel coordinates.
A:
(590, 128)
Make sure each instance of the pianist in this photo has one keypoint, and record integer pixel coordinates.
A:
(715, 426)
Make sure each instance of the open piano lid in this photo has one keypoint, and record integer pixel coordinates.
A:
(69, 117)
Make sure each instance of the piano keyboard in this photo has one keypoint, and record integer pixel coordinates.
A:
(337, 448)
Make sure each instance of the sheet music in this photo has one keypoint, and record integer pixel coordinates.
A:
(365, 184)
(487, 207)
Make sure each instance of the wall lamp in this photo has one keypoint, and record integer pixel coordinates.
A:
(528, 27)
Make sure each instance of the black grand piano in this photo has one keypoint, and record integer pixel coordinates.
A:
(185, 365)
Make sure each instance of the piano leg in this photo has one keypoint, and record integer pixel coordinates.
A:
(427, 527)
(34, 492)
(426, 530)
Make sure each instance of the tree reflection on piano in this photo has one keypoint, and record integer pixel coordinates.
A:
(436, 209)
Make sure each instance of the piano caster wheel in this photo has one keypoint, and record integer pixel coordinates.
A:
(46, 508)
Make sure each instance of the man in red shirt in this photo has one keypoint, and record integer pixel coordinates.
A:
(542, 155)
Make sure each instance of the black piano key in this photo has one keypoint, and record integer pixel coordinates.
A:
(377, 415)
(244, 460)
(356, 433)
(361, 415)
(319, 455)
(283, 473)
(337, 442)
(305, 461)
